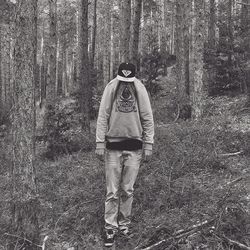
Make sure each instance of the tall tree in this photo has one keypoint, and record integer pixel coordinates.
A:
(125, 22)
(172, 30)
(51, 87)
(211, 47)
(106, 41)
(180, 68)
(1, 81)
(84, 84)
(163, 26)
(24, 196)
(134, 51)
(93, 46)
(230, 34)
(198, 64)
(112, 44)
(186, 40)
(41, 70)
(245, 27)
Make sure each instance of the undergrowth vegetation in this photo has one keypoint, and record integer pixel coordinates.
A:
(199, 173)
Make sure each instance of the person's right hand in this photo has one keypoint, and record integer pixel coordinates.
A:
(100, 153)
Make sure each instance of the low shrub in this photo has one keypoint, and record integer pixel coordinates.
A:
(62, 129)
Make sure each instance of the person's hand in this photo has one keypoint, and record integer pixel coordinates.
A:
(100, 153)
(147, 154)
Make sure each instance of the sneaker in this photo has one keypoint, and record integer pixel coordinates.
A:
(109, 238)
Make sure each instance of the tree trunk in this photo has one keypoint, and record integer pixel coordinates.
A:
(93, 46)
(64, 66)
(186, 18)
(51, 88)
(112, 46)
(71, 70)
(211, 48)
(1, 79)
(198, 68)
(41, 71)
(57, 63)
(244, 15)
(172, 34)
(141, 36)
(163, 31)
(212, 23)
(125, 22)
(134, 52)
(245, 25)
(84, 66)
(230, 36)
(106, 43)
(25, 203)
(180, 68)
(44, 74)
(77, 45)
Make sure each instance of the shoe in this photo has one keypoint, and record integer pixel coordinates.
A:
(109, 238)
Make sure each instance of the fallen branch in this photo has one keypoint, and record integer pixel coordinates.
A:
(44, 242)
(234, 181)
(231, 154)
(233, 242)
(178, 113)
(77, 205)
(247, 4)
(183, 231)
(236, 243)
(180, 234)
(23, 238)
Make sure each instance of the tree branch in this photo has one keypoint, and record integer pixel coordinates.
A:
(236, 243)
(246, 4)
(180, 234)
(231, 154)
(25, 239)
(233, 242)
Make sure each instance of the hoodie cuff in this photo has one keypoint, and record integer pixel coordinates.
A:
(100, 145)
(148, 146)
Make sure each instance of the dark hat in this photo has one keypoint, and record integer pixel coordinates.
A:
(126, 72)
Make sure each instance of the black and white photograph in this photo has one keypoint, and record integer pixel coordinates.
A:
(125, 124)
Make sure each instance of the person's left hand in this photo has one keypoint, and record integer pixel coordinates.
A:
(147, 154)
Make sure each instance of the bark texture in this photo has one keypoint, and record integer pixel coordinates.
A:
(51, 88)
(198, 94)
(125, 22)
(106, 42)
(134, 52)
(25, 204)
(180, 68)
(84, 84)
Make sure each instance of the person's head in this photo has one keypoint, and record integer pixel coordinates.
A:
(126, 72)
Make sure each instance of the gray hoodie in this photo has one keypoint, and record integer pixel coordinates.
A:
(125, 114)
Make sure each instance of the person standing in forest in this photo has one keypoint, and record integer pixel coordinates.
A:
(124, 133)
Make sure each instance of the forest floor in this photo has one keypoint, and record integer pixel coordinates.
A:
(199, 173)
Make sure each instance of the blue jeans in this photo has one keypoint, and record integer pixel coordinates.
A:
(121, 169)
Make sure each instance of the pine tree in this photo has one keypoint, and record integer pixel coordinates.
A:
(1, 81)
(125, 22)
(24, 190)
(134, 51)
(106, 42)
(211, 48)
(180, 68)
(198, 64)
(84, 83)
(51, 87)
(93, 46)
